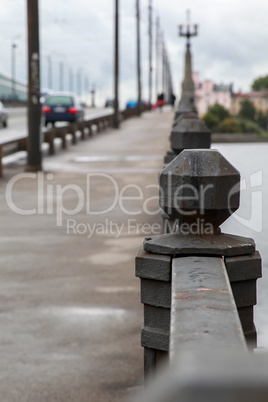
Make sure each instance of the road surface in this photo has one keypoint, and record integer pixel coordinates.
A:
(70, 308)
(70, 302)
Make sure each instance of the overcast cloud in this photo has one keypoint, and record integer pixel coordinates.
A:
(231, 46)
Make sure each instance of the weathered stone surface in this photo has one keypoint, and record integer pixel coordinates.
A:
(149, 362)
(153, 266)
(222, 245)
(170, 155)
(155, 293)
(169, 225)
(153, 359)
(170, 152)
(189, 140)
(199, 186)
(164, 215)
(161, 357)
(246, 316)
(168, 159)
(220, 375)
(157, 317)
(244, 267)
(186, 105)
(245, 293)
(155, 338)
(251, 338)
(188, 89)
(203, 311)
(190, 132)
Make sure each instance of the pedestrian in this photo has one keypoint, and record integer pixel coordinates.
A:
(173, 99)
(160, 101)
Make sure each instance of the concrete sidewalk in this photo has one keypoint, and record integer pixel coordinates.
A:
(70, 308)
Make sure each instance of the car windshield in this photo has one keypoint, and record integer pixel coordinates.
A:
(60, 100)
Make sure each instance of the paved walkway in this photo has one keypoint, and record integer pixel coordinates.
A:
(70, 309)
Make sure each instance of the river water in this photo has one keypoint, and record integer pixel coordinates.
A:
(251, 219)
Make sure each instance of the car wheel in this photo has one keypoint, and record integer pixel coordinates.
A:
(5, 123)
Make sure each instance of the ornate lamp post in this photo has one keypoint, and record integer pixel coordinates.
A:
(188, 30)
(13, 69)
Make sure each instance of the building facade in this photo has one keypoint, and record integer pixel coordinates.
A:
(10, 91)
(207, 93)
(258, 98)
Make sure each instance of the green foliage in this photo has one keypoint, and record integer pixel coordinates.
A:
(218, 119)
(230, 125)
(239, 125)
(215, 115)
(219, 111)
(262, 119)
(260, 83)
(211, 120)
(247, 110)
(249, 126)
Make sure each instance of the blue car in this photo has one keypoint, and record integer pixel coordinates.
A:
(134, 103)
(131, 104)
(62, 106)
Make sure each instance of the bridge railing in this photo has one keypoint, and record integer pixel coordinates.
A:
(198, 285)
(210, 376)
(87, 129)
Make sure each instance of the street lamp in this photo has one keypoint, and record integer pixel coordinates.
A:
(13, 70)
(71, 80)
(61, 76)
(116, 122)
(93, 91)
(189, 31)
(62, 64)
(49, 69)
(79, 81)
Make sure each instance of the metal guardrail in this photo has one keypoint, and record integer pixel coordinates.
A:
(87, 129)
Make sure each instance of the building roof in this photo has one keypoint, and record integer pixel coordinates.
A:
(222, 88)
(252, 94)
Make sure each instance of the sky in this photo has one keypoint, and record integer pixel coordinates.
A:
(230, 48)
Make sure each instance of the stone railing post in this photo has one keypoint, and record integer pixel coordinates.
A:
(189, 132)
(199, 190)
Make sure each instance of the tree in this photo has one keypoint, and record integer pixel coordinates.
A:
(215, 115)
(260, 83)
(219, 111)
(247, 110)
(239, 125)
(262, 119)
(211, 120)
(230, 125)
